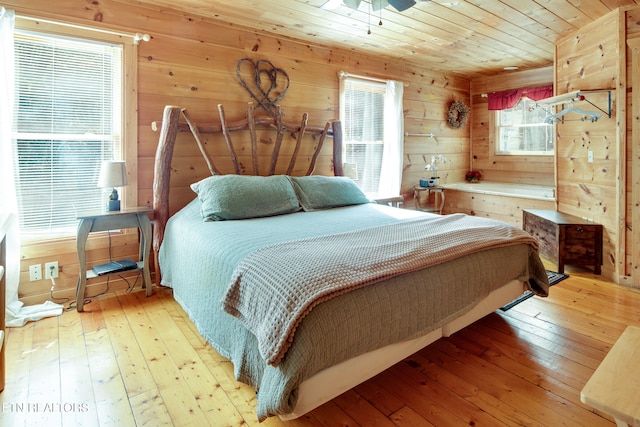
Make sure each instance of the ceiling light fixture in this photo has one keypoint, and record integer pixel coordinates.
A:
(376, 5)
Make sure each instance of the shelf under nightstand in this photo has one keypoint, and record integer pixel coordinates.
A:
(95, 221)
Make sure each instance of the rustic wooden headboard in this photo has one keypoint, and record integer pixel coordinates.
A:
(172, 124)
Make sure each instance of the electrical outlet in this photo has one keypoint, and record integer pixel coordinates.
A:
(35, 272)
(590, 156)
(51, 270)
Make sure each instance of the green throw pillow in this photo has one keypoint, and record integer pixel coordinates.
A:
(226, 197)
(322, 192)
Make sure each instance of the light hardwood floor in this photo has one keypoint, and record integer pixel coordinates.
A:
(132, 360)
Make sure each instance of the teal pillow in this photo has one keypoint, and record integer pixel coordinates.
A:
(323, 192)
(227, 197)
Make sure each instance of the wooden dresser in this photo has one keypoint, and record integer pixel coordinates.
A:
(564, 238)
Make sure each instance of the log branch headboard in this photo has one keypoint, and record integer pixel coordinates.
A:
(172, 125)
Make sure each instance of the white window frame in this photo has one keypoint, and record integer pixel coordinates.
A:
(498, 134)
(128, 97)
(386, 131)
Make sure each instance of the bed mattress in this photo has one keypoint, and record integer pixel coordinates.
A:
(197, 260)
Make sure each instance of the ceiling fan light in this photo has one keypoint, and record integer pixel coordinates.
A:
(353, 4)
(402, 5)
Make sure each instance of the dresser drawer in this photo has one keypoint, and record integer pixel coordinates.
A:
(577, 243)
(578, 233)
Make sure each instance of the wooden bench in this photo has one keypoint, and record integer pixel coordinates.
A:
(614, 388)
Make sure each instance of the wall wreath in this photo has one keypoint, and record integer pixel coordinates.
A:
(458, 114)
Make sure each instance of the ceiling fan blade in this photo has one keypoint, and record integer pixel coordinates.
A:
(379, 4)
(331, 4)
(353, 4)
(402, 5)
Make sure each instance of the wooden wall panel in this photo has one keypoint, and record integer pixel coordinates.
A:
(191, 62)
(591, 60)
(502, 208)
(515, 169)
(632, 187)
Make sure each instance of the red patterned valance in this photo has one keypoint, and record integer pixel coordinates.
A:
(509, 98)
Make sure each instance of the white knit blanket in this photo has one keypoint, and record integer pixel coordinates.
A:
(273, 288)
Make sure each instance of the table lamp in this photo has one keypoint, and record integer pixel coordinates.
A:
(113, 173)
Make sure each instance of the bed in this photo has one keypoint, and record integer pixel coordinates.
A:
(304, 284)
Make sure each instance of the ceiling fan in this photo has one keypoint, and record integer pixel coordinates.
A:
(399, 5)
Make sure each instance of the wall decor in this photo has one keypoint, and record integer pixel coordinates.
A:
(269, 84)
(458, 114)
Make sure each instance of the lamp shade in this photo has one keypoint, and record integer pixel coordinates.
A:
(113, 173)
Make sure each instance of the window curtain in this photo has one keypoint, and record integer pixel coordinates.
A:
(392, 156)
(16, 313)
(509, 98)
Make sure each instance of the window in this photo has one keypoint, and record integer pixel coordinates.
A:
(364, 131)
(67, 119)
(522, 130)
(371, 116)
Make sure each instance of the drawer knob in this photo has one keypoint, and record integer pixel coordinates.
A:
(580, 229)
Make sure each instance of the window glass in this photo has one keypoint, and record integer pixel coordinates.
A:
(522, 130)
(363, 133)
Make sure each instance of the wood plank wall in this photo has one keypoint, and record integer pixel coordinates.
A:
(595, 58)
(630, 276)
(513, 169)
(191, 62)
(591, 59)
(501, 208)
(632, 164)
(509, 169)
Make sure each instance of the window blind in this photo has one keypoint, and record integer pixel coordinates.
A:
(363, 119)
(67, 120)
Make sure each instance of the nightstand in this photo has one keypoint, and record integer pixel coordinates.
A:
(95, 221)
(437, 207)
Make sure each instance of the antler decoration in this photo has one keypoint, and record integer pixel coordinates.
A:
(266, 81)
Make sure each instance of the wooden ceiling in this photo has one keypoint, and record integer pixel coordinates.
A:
(468, 37)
